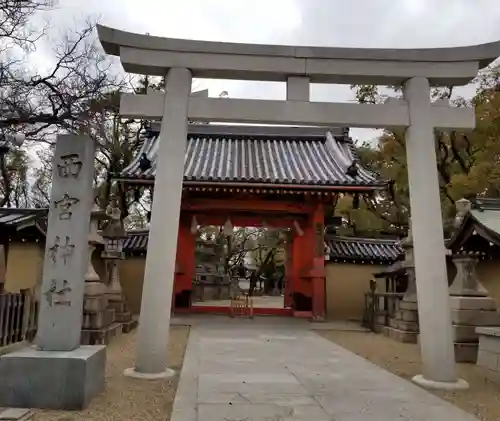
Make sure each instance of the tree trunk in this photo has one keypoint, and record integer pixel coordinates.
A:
(256, 275)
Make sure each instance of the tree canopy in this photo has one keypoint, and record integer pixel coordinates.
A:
(467, 162)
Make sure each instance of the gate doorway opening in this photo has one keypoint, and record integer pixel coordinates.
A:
(240, 270)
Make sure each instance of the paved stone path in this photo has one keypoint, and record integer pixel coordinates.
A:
(278, 370)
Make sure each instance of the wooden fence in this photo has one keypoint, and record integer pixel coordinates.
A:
(242, 305)
(380, 307)
(18, 317)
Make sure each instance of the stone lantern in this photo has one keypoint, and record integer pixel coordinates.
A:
(409, 265)
(466, 283)
(471, 306)
(404, 325)
(93, 284)
(114, 237)
(98, 326)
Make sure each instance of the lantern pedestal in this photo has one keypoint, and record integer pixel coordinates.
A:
(471, 308)
(403, 327)
(99, 325)
(116, 300)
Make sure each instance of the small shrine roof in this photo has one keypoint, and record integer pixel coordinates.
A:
(363, 250)
(17, 219)
(264, 156)
(136, 241)
(483, 219)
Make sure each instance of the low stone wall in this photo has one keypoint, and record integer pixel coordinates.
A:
(489, 352)
(208, 292)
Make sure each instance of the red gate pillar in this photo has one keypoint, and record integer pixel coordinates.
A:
(185, 265)
(288, 282)
(318, 276)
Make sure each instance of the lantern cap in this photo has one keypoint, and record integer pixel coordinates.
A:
(114, 227)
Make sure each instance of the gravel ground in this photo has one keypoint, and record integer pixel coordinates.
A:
(482, 399)
(126, 398)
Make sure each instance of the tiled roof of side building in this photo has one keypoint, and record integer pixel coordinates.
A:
(339, 248)
(262, 155)
(136, 241)
(352, 249)
(17, 218)
(355, 249)
(482, 219)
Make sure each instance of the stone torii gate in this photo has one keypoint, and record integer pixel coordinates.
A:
(416, 70)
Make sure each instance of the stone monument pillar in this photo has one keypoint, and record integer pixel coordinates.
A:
(471, 306)
(114, 235)
(404, 326)
(58, 373)
(99, 325)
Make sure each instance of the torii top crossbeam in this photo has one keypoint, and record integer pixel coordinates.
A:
(298, 66)
(145, 54)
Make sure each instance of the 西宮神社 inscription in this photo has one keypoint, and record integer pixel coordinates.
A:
(66, 246)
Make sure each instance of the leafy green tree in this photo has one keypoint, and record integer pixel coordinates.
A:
(467, 162)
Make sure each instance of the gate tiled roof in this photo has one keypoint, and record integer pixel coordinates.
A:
(317, 159)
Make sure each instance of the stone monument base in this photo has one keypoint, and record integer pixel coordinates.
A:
(101, 336)
(52, 379)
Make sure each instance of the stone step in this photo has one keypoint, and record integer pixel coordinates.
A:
(100, 336)
(401, 335)
(119, 306)
(463, 333)
(407, 315)
(466, 352)
(98, 320)
(129, 326)
(95, 304)
(123, 317)
(394, 323)
(407, 326)
(407, 305)
(489, 339)
(472, 303)
(476, 317)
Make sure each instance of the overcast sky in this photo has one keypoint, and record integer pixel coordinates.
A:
(341, 23)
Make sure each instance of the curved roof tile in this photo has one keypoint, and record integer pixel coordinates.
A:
(262, 159)
(359, 249)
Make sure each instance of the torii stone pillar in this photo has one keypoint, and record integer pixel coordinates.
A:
(154, 322)
(434, 312)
